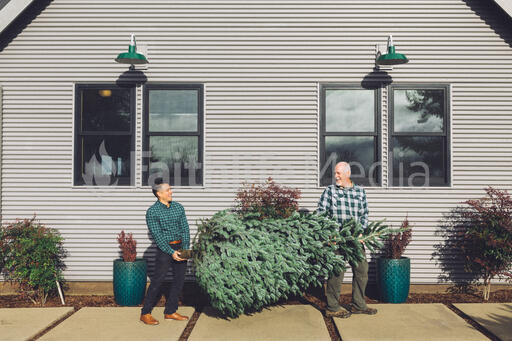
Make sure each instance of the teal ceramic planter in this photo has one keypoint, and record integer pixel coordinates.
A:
(393, 279)
(130, 280)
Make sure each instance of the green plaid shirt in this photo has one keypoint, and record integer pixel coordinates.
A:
(345, 203)
(167, 224)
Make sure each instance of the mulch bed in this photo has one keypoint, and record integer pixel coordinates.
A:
(191, 297)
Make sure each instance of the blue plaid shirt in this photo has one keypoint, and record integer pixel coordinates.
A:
(168, 224)
(345, 203)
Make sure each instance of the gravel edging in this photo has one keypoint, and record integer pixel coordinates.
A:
(190, 325)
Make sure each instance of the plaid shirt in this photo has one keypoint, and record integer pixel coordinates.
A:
(167, 224)
(345, 203)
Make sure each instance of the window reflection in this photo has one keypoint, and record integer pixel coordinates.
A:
(105, 113)
(419, 161)
(175, 158)
(349, 110)
(359, 151)
(418, 110)
(173, 110)
(106, 160)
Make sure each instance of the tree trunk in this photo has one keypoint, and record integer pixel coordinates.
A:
(487, 288)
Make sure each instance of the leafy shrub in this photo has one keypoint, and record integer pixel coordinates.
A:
(128, 246)
(482, 233)
(269, 200)
(395, 243)
(244, 262)
(33, 258)
(3, 248)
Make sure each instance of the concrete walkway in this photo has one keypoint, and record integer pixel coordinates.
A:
(107, 323)
(409, 322)
(283, 323)
(495, 317)
(289, 322)
(24, 323)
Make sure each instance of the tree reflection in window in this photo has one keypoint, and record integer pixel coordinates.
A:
(419, 137)
(173, 134)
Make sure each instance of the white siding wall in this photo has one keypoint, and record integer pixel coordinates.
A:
(261, 63)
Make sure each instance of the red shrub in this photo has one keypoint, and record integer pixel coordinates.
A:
(397, 242)
(128, 246)
(269, 200)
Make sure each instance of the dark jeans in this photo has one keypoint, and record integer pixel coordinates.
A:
(163, 262)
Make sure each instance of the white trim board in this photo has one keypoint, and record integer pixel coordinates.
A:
(506, 5)
(11, 11)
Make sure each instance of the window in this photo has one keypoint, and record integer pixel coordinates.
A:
(349, 131)
(173, 134)
(418, 138)
(104, 139)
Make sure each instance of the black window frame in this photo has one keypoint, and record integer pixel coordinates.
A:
(78, 154)
(445, 133)
(377, 133)
(199, 133)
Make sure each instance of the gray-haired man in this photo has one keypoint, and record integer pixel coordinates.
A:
(346, 201)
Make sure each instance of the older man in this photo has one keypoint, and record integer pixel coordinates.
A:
(168, 225)
(346, 200)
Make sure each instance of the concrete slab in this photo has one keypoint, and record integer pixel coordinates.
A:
(407, 322)
(291, 322)
(24, 323)
(495, 317)
(116, 323)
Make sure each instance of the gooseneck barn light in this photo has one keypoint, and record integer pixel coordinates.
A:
(132, 57)
(391, 58)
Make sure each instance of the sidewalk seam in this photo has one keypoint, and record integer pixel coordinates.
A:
(53, 325)
(473, 323)
(329, 320)
(190, 325)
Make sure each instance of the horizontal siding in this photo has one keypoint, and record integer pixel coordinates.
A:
(261, 63)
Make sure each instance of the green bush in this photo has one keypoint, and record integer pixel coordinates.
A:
(244, 263)
(33, 258)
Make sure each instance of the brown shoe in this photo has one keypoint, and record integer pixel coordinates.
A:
(175, 316)
(367, 311)
(340, 313)
(148, 319)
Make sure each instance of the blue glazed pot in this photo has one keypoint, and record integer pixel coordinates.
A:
(393, 279)
(130, 280)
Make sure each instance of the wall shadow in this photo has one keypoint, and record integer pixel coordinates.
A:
(131, 78)
(376, 79)
(448, 256)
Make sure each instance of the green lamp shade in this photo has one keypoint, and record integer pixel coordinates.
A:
(131, 57)
(392, 58)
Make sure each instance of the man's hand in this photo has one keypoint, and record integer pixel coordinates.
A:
(176, 256)
(362, 241)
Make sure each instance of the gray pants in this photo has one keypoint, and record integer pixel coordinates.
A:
(359, 282)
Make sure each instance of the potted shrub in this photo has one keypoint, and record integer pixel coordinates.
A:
(129, 273)
(394, 270)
